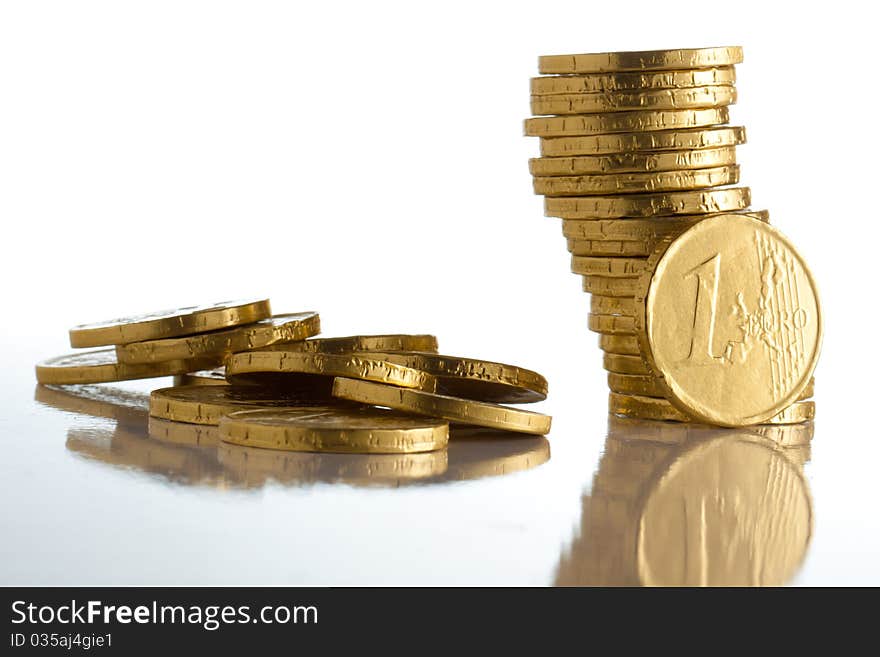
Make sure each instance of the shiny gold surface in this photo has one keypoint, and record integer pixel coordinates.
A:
(170, 323)
(274, 330)
(612, 324)
(635, 81)
(207, 404)
(371, 430)
(454, 409)
(663, 139)
(648, 205)
(653, 408)
(639, 121)
(632, 162)
(302, 368)
(352, 343)
(612, 305)
(654, 99)
(623, 364)
(215, 377)
(644, 60)
(646, 385)
(635, 183)
(611, 287)
(731, 322)
(627, 345)
(654, 228)
(608, 267)
(610, 248)
(100, 366)
(472, 378)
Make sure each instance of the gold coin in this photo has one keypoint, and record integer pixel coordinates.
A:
(611, 287)
(614, 122)
(367, 431)
(646, 385)
(470, 378)
(645, 141)
(626, 101)
(627, 345)
(183, 433)
(274, 330)
(100, 366)
(207, 404)
(314, 370)
(610, 248)
(215, 377)
(653, 408)
(623, 364)
(612, 324)
(641, 230)
(608, 267)
(612, 305)
(645, 60)
(353, 343)
(170, 323)
(632, 162)
(648, 205)
(457, 410)
(635, 183)
(635, 81)
(730, 319)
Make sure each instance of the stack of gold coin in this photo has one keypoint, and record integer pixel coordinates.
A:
(264, 381)
(636, 152)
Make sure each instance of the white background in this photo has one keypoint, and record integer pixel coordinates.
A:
(366, 160)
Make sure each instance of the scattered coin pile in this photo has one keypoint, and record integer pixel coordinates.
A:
(281, 388)
(636, 154)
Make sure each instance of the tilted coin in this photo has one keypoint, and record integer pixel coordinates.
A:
(215, 377)
(632, 81)
(682, 139)
(353, 343)
(313, 370)
(648, 205)
(101, 366)
(610, 248)
(471, 378)
(730, 321)
(279, 329)
(207, 404)
(634, 183)
(611, 287)
(610, 267)
(653, 99)
(638, 121)
(454, 409)
(641, 229)
(612, 324)
(633, 162)
(612, 305)
(368, 431)
(627, 345)
(645, 60)
(170, 323)
(653, 408)
(646, 385)
(622, 364)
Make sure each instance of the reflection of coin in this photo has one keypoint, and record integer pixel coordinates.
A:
(369, 431)
(639, 121)
(654, 408)
(454, 409)
(642, 60)
(274, 330)
(124, 406)
(647, 205)
(730, 322)
(475, 453)
(100, 366)
(650, 141)
(653, 99)
(634, 81)
(170, 323)
(632, 162)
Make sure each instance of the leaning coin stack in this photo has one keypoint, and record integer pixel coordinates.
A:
(636, 151)
(281, 388)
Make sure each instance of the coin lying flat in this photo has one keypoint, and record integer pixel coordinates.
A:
(207, 404)
(654, 99)
(663, 139)
(610, 248)
(610, 267)
(353, 343)
(612, 305)
(183, 433)
(632, 162)
(646, 385)
(654, 228)
(170, 323)
(639, 121)
(730, 321)
(632, 81)
(653, 408)
(215, 377)
(280, 329)
(626, 345)
(305, 369)
(635, 183)
(646, 60)
(368, 431)
(622, 364)
(611, 287)
(101, 366)
(612, 324)
(454, 409)
(647, 205)
(471, 378)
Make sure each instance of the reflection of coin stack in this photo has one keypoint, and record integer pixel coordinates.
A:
(635, 150)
